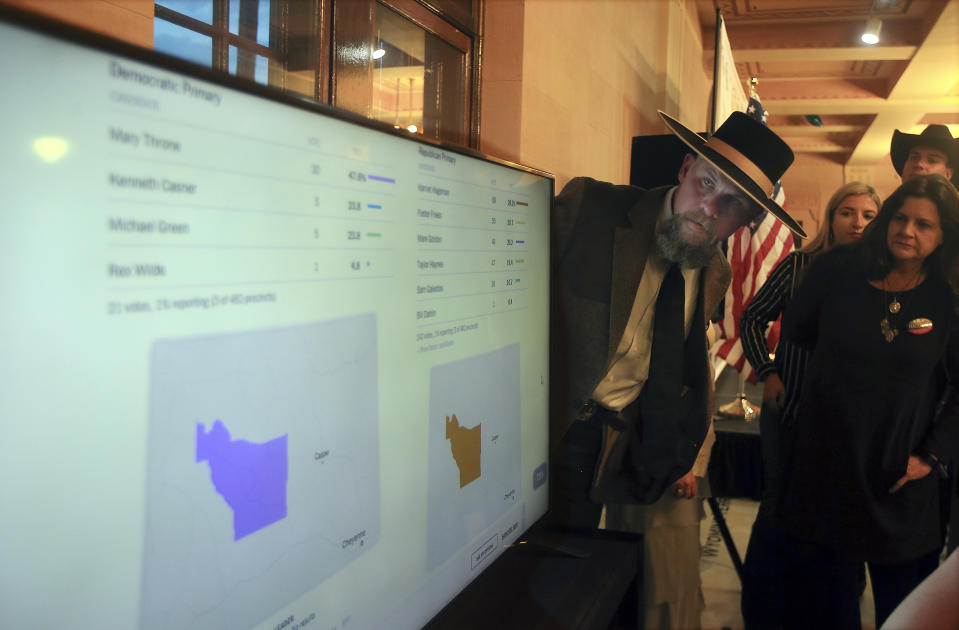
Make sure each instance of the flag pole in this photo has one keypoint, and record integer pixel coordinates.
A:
(711, 500)
(712, 116)
(741, 408)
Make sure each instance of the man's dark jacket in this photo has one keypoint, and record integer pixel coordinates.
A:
(602, 235)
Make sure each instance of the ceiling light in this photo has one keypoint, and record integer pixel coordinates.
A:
(379, 52)
(871, 34)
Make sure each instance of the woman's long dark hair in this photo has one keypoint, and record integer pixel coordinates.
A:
(942, 263)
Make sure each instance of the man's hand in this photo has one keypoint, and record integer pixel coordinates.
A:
(915, 469)
(685, 488)
(774, 393)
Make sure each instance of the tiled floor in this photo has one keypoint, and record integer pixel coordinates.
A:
(721, 586)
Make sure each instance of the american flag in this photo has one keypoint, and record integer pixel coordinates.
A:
(753, 251)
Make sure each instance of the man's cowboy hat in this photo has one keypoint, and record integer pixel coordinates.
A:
(933, 136)
(749, 154)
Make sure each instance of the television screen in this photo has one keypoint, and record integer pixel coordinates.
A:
(262, 365)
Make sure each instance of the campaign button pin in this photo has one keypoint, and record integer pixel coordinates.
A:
(919, 326)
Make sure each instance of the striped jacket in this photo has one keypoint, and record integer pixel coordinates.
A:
(768, 303)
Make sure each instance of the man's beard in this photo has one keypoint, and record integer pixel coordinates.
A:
(674, 248)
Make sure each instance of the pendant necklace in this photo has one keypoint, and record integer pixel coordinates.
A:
(888, 332)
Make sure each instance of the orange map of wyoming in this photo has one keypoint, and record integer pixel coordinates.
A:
(466, 445)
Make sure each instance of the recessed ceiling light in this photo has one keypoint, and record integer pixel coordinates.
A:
(871, 34)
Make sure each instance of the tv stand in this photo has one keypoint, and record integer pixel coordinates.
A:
(555, 578)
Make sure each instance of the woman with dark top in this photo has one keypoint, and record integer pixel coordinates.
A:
(848, 212)
(862, 482)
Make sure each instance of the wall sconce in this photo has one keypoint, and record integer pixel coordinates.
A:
(871, 33)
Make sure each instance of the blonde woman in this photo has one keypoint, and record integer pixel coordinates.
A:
(849, 211)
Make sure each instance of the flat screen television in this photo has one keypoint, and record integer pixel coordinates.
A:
(263, 365)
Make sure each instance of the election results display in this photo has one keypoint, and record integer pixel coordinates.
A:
(262, 366)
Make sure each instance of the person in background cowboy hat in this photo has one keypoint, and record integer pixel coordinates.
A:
(636, 273)
(932, 151)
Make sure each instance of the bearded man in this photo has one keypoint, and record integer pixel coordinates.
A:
(637, 273)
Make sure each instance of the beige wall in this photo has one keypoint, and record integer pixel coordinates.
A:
(567, 83)
(808, 185)
(811, 181)
(130, 20)
(883, 177)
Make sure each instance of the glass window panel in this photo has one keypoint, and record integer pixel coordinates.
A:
(263, 24)
(419, 80)
(444, 116)
(261, 66)
(398, 70)
(197, 9)
(181, 42)
(261, 15)
(262, 72)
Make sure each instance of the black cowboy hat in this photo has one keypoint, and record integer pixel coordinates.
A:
(749, 154)
(933, 136)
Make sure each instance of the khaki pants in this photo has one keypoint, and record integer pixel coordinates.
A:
(671, 589)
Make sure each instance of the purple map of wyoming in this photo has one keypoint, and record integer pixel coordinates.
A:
(250, 477)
